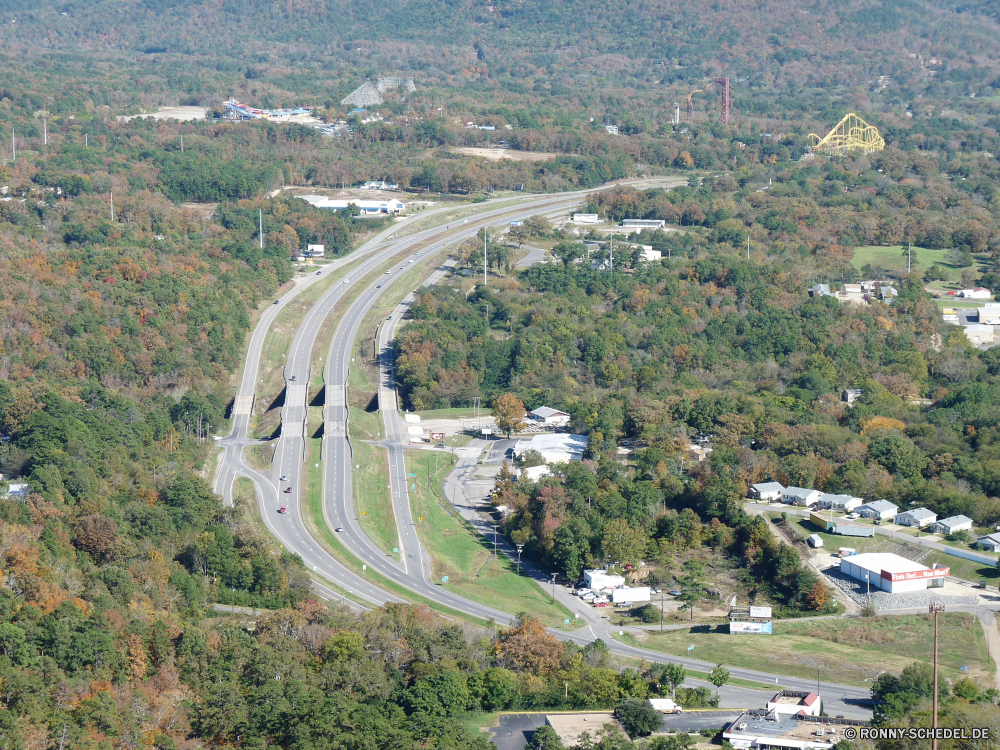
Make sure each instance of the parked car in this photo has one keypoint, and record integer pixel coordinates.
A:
(602, 604)
(628, 605)
(674, 592)
(283, 509)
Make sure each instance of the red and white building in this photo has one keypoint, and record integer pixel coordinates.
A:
(892, 573)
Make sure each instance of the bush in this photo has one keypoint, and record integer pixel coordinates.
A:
(698, 697)
(648, 613)
(638, 717)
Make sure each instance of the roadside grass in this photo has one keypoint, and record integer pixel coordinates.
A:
(372, 503)
(312, 516)
(244, 491)
(260, 457)
(958, 304)
(466, 558)
(966, 570)
(479, 722)
(845, 651)
(694, 674)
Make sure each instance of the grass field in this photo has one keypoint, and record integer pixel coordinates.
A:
(260, 457)
(467, 559)
(893, 258)
(372, 503)
(244, 491)
(845, 651)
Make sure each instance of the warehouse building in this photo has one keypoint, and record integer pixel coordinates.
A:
(549, 417)
(892, 573)
(367, 208)
(554, 448)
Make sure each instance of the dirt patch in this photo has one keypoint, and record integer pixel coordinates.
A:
(204, 210)
(497, 154)
(173, 113)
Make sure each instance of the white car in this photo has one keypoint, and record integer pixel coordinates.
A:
(346, 280)
(388, 272)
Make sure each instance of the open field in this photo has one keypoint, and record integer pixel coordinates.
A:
(372, 503)
(467, 559)
(845, 651)
(893, 258)
(496, 154)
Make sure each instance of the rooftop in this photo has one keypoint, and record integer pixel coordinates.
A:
(795, 727)
(548, 411)
(798, 491)
(880, 505)
(954, 520)
(554, 441)
(769, 486)
(919, 513)
(876, 562)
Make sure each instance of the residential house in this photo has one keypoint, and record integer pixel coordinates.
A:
(549, 417)
(851, 395)
(840, 503)
(952, 524)
(821, 290)
(800, 496)
(990, 542)
(916, 518)
(766, 491)
(880, 510)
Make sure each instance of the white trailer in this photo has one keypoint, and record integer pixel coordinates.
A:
(665, 706)
(630, 594)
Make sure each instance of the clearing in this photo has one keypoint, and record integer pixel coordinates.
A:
(845, 651)
(893, 258)
(496, 154)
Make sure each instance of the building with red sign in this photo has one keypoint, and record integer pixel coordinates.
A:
(892, 573)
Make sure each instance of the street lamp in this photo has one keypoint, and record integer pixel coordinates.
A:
(519, 548)
(553, 588)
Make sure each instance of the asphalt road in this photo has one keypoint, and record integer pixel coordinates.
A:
(410, 571)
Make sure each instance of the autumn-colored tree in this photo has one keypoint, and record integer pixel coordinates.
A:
(508, 410)
(818, 596)
(527, 647)
(95, 534)
(881, 423)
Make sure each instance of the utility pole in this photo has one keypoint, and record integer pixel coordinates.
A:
(112, 207)
(13, 146)
(485, 282)
(182, 144)
(85, 140)
(909, 250)
(661, 610)
(611, 253)
(260, 219)
(554, 590)
(495, 540)
(519, 548)
(748, 247)
(935, 608)
(45, 132)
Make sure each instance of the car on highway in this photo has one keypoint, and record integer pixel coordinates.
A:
(277, 301)
(283, 509)
(410, 260)
(288, 489)
(339, 529)
(674, 592)
(346, 280)
(293, 378)
(284, 478)
(318, 273)
(388, 272)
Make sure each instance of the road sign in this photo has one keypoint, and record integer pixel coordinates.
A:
(412, 474)
(691, 647)
(395, 549)
(444, 579)
(517, 223)
(437, 436)
(565, 622)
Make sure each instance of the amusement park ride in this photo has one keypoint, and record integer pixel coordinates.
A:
(850, 134)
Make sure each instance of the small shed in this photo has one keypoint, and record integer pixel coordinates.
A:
(815, 540)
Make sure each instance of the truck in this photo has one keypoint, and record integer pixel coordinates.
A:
(665, 706)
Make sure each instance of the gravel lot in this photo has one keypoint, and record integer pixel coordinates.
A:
(857, 590)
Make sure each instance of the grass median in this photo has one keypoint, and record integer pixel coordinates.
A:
(463, 556)
(845, 651)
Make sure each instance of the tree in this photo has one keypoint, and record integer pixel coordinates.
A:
(528, 647)
(674, 674)
(519, 234)
(545, 738)
(638, 717)
(508, 410)
(692, 585)
(96, 534)
(719, 676)
(818, 596)
(622, 544)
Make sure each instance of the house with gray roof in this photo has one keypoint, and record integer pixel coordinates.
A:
(952, 524)
(766, 491)
(916, 518)
(880, 510)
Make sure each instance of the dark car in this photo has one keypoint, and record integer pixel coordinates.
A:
(288, 490)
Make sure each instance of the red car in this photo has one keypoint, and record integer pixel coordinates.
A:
(282, 509)
(603, 604)
(288, 490)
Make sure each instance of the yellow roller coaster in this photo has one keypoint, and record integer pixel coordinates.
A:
(850, 134)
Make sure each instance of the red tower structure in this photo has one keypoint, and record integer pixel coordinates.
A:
(724, 82)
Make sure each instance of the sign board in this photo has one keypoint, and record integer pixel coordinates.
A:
(739, 612)
(916, 575)
(517, 223)
(487, 430)
(762, 613)
(437, 436)
(757, 628)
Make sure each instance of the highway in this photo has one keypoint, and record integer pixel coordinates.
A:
(281, 485)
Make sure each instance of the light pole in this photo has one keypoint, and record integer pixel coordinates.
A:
(934, 609)
(519, 548)
(553, 588)
(494, 540)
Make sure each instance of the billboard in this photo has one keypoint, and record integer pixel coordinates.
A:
(437, 436)
(757, 628)
(763, 613)
(916, 575)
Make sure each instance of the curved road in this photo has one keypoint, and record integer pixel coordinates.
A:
(277, 487)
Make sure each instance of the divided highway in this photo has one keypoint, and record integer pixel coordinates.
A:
(280, 485)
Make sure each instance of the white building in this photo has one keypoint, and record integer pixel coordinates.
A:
(766, 491)
(979, 334)
(554, 448)
(952, 524)
(916, 518)
(597, 580)
(892, 573)
(841, 503)
(977, 293)
(18, 490)
(641, 224)
(989, 314)
(649, 254)
(586, 218)
(630, 594)
(549, 417)
(534, 473)
(795, 702)
(612, 129)
(800, 496)
(880, 510)
(990, 542)
(367, 208)
(764, 729)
